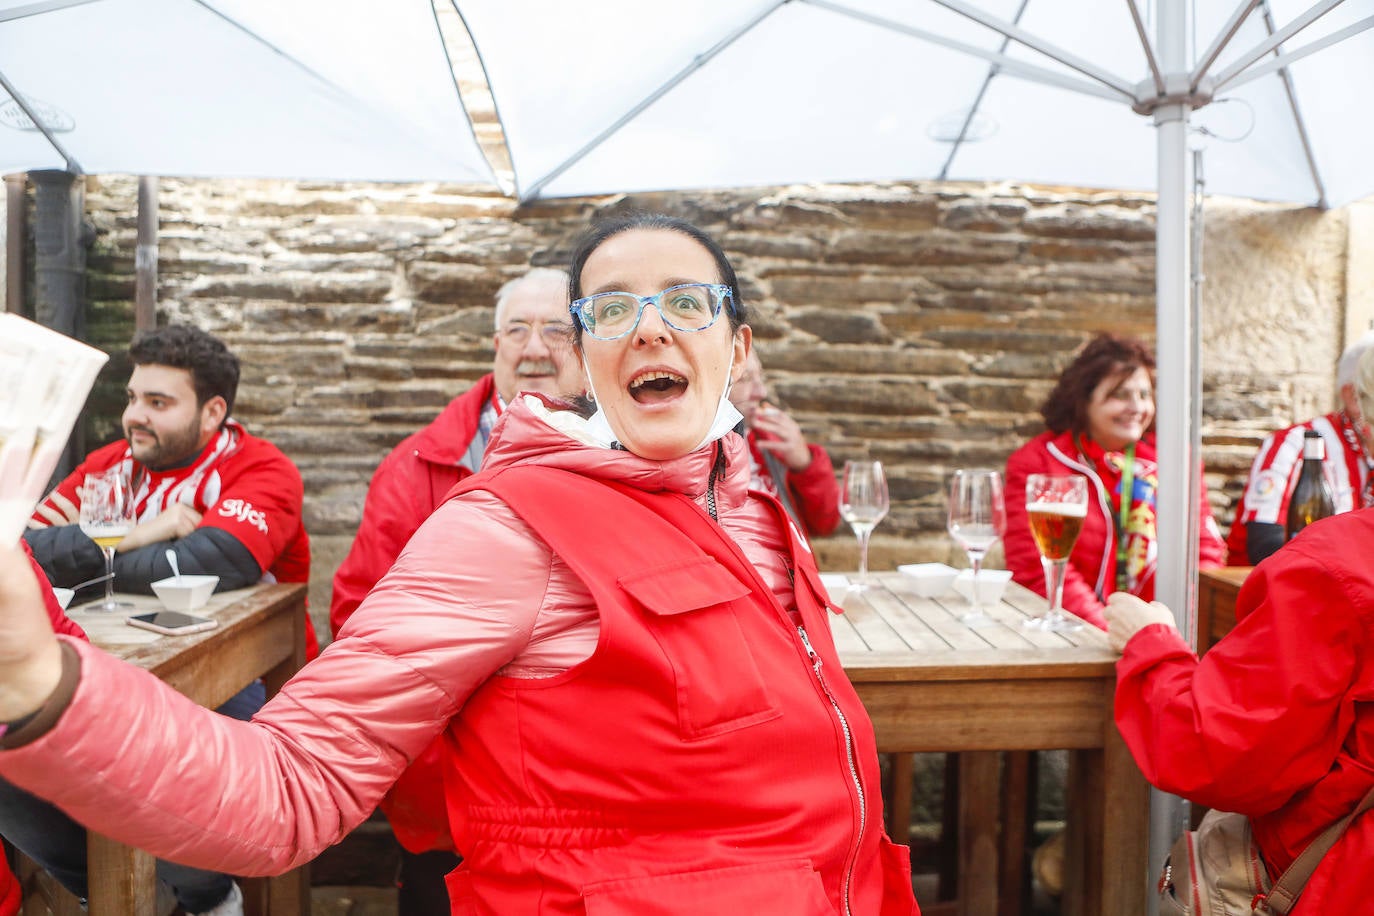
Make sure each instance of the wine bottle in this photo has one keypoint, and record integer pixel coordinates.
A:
(1311, 498)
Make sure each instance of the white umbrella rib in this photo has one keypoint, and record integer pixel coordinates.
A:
(978, 99)
(1148, 47)
(1005, 64)
(1046, 48)
(36, 9)
(72, 165)
(1273, 41)
(1219, 44)
(1286, 77)
(697, 63)
(1286, 58)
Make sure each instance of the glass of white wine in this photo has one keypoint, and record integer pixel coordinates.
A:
(863, 503)
(977, 518)
(1056, 505)
(107, 514)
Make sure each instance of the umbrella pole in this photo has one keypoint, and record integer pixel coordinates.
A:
(1177, 497)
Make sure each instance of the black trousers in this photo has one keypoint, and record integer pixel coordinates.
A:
(420, 883)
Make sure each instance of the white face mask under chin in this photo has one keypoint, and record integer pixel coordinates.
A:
(727, 416)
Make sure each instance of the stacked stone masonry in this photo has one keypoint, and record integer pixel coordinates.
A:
(920, 324)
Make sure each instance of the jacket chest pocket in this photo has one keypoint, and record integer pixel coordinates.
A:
(693, 613)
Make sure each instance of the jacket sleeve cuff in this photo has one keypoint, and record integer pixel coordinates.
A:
(39, 723)
(1152, 645)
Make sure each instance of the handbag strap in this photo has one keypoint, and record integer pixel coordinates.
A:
(1285, 891)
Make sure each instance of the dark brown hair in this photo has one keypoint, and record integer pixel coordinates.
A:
(606, 229)
(1105, 356)
(214, 370)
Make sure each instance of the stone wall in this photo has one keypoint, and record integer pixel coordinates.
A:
(920, 324)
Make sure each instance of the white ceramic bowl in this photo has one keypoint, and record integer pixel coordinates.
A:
(186, 593)
(991, 584)
(64, 596)
(836, 585)
(929, 579)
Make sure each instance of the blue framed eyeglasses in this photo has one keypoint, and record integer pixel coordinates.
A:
(685, 307)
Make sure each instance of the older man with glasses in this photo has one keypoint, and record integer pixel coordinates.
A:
(533, 353)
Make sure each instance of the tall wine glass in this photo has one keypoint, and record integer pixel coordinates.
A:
(107, 514)
(977, 518)
(863, 503)
(1056, 505)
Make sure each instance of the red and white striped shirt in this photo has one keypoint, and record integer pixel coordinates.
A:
(1275, 470)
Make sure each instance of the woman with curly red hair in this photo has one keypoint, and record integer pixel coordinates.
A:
(1100, 424)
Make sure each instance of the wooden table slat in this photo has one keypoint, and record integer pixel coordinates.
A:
(940, 618)
(930, 683)
(914, 635)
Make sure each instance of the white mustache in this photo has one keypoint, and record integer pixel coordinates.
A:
(536, 367)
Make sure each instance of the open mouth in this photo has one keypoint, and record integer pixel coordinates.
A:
(658, 385)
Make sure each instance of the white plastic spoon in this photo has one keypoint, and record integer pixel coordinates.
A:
(172, 558)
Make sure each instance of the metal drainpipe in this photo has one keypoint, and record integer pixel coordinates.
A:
(60, 240)
(145, 256)
(59, 252)
(16, 220)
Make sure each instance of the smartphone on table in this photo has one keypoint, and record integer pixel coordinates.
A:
(172, 623)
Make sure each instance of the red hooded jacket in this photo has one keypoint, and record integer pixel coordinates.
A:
(1276, 720)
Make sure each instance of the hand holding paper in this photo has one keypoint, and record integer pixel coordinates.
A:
(44, 379)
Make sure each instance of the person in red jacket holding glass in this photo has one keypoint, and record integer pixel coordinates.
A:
(1100, 419)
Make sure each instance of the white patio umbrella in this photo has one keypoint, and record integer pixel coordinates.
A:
(624, 95)
(327, 89)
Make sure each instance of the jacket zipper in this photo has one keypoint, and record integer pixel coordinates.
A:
(853, 768)
(717, 472)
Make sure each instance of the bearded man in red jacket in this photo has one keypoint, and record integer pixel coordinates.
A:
(227, 503)
(533, 353)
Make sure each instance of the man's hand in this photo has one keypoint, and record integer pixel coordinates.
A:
(778, 433)
(30, 657)
(1127, 615)
(57, 510)
(177, 521)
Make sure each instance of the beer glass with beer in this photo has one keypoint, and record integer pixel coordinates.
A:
(863, 503)
(977, 518)
(1056, 505)
(107, 514)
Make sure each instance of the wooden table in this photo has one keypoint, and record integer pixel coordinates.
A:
(1216, 603)
(261, 634)
(931, 683)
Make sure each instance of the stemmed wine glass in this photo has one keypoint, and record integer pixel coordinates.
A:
(977, 518)
(107, 514)
(1056, 505)
(863, 503)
